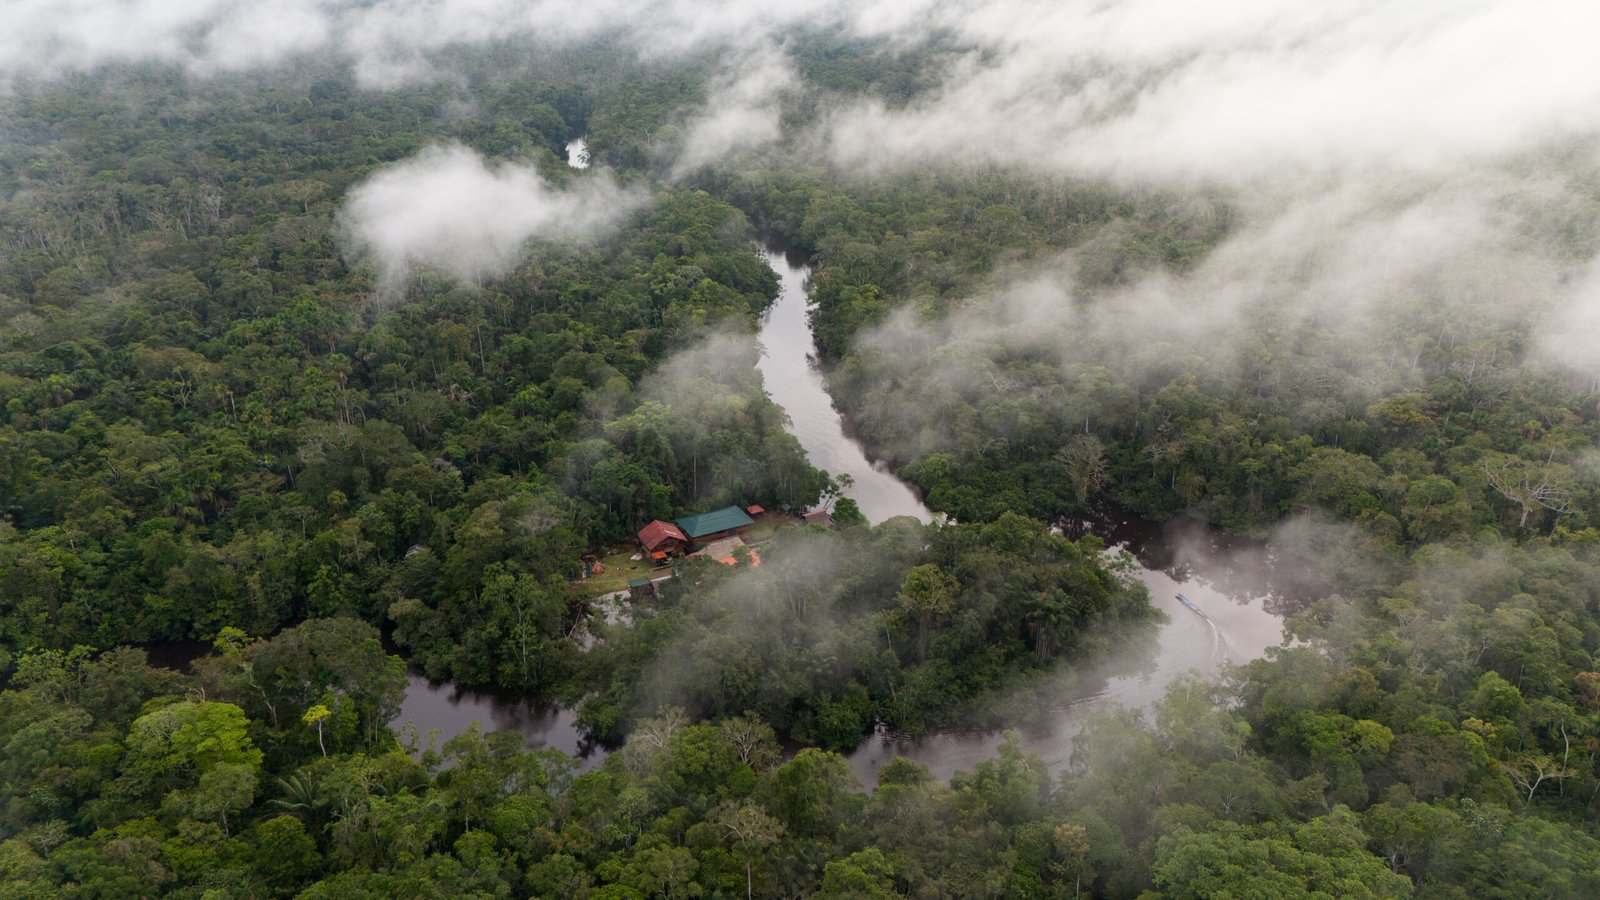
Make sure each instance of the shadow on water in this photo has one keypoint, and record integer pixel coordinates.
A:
(1236, 567)
(179, 655)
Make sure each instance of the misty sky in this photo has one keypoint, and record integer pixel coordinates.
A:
(1136, 87)
(1383, 148)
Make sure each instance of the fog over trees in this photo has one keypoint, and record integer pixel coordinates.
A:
(320, 366)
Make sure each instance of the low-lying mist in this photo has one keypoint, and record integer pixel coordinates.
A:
(449, 209)
(1387, 175)
(1327, 302)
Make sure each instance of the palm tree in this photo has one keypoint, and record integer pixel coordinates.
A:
(302, 798)
(1050, 617)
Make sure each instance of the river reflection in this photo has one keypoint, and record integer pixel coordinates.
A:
(1240, 584)
(448, 710)
(791, 378)
(443, 708)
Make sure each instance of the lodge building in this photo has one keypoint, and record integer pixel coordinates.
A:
(664, 540)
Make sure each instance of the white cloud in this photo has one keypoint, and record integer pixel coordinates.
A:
(385, 40)
(1376, 143)
(741, 111)
(1136, 89)
(1174, 90)
(1569, 337)
(448, 209)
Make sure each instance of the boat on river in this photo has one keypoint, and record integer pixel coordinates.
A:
(1197, 610)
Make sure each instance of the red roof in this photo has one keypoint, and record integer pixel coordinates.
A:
(754, 510)
(658, 532)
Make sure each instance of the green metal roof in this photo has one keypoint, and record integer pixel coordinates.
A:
(714, 521)
(638, 582)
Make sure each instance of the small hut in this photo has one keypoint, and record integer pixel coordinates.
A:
(818, 517)
(663, 540)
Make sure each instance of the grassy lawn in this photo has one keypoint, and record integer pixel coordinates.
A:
(619, 569)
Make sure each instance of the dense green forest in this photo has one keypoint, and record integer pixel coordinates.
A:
(219, 423)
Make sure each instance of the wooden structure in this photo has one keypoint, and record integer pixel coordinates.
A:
(663, 540)
(818, 517)
(702, 529)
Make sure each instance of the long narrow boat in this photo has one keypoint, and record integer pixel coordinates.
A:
(1197, 610)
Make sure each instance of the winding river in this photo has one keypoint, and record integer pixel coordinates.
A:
(789, 371)
(1239, 585)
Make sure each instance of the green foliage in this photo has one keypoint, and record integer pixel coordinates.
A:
(1323, 858)
(837, 630)
(260, 440)
(190, 738)
(212, 427)
(1243, 796)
